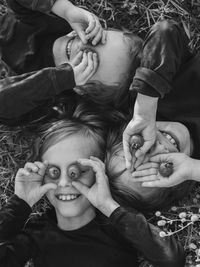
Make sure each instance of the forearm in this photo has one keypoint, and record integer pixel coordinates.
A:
(35, 5)
(62, 8)
(145, 106)
(133, 226)
(195, 170)
(23, 93)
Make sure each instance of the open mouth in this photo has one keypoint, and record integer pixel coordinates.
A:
(173, 140)
(68, 47)
(67, 197)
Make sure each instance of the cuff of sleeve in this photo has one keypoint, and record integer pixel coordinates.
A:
(19, 207)
(63, 78)
(118, 213)
(43, 6)
(152, 79)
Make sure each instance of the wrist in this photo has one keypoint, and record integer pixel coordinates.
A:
(145, 106)
(109, 207)
(195, 167)
(62, 8)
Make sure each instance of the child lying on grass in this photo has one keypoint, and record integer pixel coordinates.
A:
(90, 228)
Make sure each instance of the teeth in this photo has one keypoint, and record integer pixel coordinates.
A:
(171, 139)
(67, 197)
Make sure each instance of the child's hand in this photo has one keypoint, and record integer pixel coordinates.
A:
(145, 128)
(84, 23)
(84, 66)
(99, 193)
(144, 124)
(28, 182)
(184, 168)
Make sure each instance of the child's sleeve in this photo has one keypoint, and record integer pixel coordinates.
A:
(43, 6)
(16, 247)
(159, 251)
(23, 93)
(164, 51)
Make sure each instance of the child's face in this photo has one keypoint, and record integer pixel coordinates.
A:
(171, 137)
(62, 157)
(114, 56)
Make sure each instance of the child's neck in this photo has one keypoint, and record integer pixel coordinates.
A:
(73, 223)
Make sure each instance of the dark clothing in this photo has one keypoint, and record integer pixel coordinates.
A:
(167, 70)
(170, 71)
(26, 40)
(100, 243)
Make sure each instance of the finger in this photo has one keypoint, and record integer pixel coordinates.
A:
(145, 179)
(22, 171)
(127, 154)
(97, 37)
(143, 173)
(148, 165)
(90, 66)
(31, 167)
(91, 23)
(139, 161)
(99, 172)
(160, 158)
(82, 36)
(81, 67)
(104, 37)
(83, 189)
(144, 149)
(78, 58)
(156, 183)
(41, 167)
(46, 187)
(102, 164)
(94, 32)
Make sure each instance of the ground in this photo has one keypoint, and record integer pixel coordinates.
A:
(181, 220)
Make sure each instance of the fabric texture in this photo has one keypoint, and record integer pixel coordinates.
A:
(102, 242)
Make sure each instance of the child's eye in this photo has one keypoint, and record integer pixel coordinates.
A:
(53, 172)
(74, 172)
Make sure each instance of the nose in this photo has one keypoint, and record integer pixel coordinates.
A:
(65, 180)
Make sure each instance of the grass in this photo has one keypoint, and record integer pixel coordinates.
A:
(137, 16)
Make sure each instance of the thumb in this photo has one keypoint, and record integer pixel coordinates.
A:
(45, 188)
(77, 60)
(160, 158)
(83, 189)
(82, 36)
(144, 149)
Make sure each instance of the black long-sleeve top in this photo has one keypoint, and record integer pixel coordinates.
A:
(113, 242)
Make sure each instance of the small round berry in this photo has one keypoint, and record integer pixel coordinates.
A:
(194, 218)
(158, 213)
(161, 223)
(136, 141)
(166, 169)
(162, 234)
(174, 208)
(74, 172)
(182, 215)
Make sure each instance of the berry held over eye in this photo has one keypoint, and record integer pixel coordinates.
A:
(74, 172)
(136, 141)
(166, 169)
